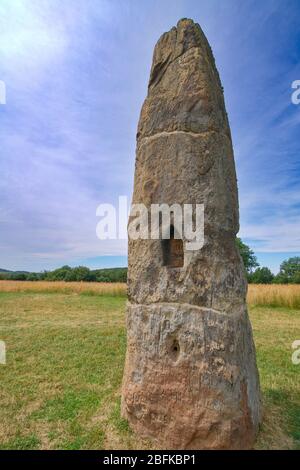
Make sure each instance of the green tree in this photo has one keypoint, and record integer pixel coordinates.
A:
(70, 276)
(111, 275)
(289, 271)
(83, 274)
(32, 277)
(18, 276)
(58, 274)
(261, 276)
(248, 256)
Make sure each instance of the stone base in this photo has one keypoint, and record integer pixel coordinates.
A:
(190, 378)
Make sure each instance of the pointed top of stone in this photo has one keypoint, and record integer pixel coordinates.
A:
(184, 91)
(174, 43)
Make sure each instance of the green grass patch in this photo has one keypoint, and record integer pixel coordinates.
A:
(19, 442)
(61, 386)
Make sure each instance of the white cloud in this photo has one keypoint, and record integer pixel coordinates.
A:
(76, 74)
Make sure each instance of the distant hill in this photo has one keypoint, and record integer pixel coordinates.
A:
(13, 272)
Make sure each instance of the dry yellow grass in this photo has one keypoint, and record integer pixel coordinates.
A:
(274, 295)
(98, 288)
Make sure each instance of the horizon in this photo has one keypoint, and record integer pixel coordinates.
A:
(68, 144)
(270, 260)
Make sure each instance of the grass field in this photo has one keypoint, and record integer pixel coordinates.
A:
(61, 287)
(60, 388)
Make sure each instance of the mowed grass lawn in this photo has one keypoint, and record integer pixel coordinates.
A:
(60, 388)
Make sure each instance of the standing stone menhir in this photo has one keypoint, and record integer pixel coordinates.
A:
(190, 379)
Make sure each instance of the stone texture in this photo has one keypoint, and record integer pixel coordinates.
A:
(190, 379)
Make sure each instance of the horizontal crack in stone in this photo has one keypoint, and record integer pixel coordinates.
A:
(157, 135)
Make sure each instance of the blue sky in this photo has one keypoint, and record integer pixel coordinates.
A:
(76, 75)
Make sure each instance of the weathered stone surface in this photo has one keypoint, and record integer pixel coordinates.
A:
(190, 377)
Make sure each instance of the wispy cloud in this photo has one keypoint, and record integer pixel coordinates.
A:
(76, 74)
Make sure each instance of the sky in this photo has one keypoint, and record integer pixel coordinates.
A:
(76, 75)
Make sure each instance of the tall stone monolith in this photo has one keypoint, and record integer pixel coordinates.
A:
(190, 379)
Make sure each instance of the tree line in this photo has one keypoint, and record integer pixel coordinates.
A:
(289, 272)
(68, 274)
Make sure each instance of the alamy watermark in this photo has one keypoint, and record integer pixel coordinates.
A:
(296, 353)
(2, 92)
(296, 94)
(159, 222)
(2, 353)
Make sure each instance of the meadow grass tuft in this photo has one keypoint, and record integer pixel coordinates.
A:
(58, 287)
(274, 295)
